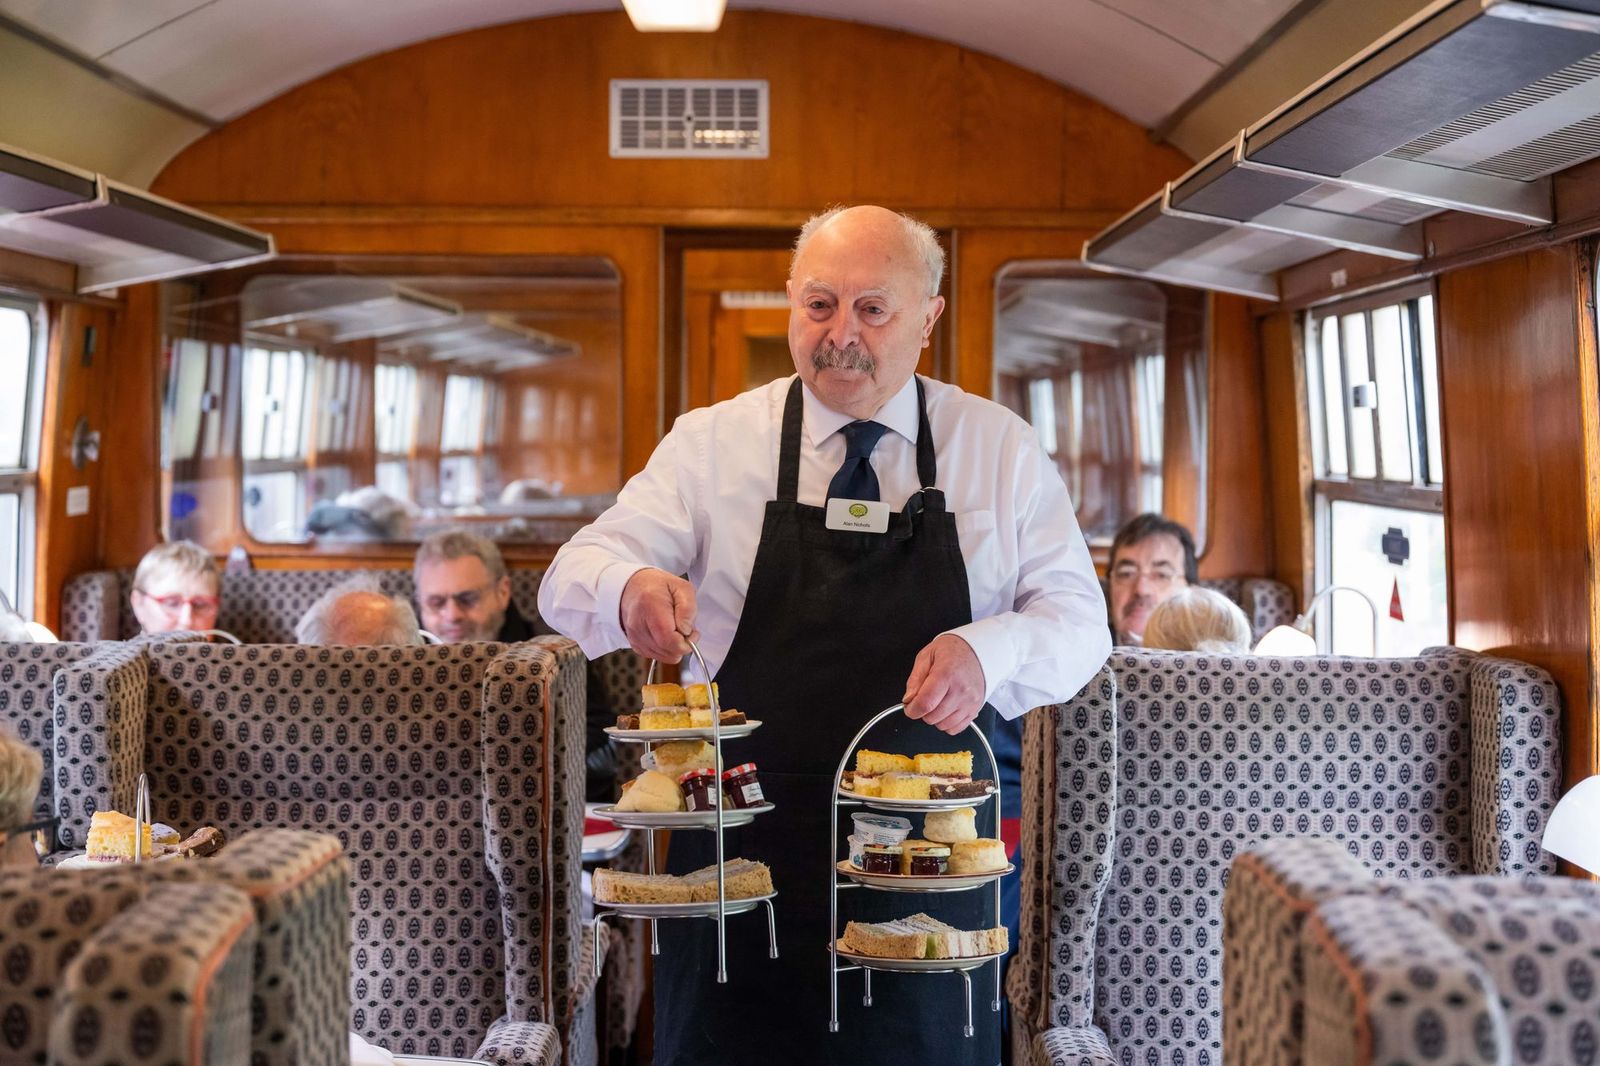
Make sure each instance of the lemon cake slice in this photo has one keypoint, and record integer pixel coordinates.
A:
(111, 838)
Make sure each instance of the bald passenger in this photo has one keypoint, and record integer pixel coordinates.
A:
(358, 612)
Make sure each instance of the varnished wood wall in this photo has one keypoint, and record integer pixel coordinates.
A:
(1518, 396)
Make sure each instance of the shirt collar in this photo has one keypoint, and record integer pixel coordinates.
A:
(899, 413)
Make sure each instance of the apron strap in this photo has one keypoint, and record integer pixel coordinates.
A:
(789, 444)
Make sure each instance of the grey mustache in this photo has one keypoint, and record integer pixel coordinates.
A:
(828, 357)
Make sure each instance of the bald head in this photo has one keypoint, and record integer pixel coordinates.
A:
(863, 300)
(358, 615)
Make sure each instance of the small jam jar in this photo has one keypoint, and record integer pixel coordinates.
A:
(741, 786)
(699, 788)
(881, 858)
(930, 862)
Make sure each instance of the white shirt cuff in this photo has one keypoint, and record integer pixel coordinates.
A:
(990, 642)
(608, 600)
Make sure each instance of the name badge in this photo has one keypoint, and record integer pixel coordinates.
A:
(860, 516)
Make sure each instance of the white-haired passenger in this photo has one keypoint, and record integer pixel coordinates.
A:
(358, 611)
(1197, 619)
(177, 586)
(21, 772)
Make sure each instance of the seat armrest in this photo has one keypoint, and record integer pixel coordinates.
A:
(167, 981)
(521, 1044)
(1080, 1046)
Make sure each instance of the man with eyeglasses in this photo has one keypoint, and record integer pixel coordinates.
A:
(178, 586)
(1152, 558)
(464, 591)
(21, 770)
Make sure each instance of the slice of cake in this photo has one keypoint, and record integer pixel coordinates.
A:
(961, 789)
(700, 718)
(700, 696)
(111, 838)
(662, 696)
(664, 718)
(950, 765)
(898, 785)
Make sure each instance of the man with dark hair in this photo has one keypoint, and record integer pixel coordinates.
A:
(1151, 558)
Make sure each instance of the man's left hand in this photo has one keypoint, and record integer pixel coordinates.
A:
(946, 686)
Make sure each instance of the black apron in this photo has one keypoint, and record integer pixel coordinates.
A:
(831, 625)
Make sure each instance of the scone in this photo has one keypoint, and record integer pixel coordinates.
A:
(903, 786)
(664, 718)
(948, 827)
(662, 696)
(979, 856)
(652, 791)
(676, 758)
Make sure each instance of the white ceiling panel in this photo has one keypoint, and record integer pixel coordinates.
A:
(95, 27)
(222, 57)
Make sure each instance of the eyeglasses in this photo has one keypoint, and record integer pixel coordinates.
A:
(42, 832)
(174, 604)
(465, 601)
(1160, 577)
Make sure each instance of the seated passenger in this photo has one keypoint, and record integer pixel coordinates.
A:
(358, 611)
(177, 587)
(464, 590)
(367, 513)
(21, 771)
(1196, 619)
(1151, 559)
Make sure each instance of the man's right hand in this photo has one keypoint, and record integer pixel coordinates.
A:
(658, 615)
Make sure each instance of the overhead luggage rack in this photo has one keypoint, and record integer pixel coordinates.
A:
(1155, 241)
(1470, 105)
(115, 234)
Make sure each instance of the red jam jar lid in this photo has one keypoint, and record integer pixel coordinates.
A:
(696, 775)
(738, 771)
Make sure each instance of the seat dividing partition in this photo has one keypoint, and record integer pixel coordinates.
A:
(394, 751)
(1437, 765)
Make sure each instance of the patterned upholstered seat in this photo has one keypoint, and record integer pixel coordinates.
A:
(452, 776)
(1437, 765)
(110, 966)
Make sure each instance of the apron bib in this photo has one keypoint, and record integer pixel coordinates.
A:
(830, 628)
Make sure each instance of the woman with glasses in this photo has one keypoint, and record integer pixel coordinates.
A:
(177, 587)
(21, 770)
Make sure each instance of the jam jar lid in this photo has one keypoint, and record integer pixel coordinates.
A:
(694, 776)
(882, 849)
(935, 852)
(740, 770)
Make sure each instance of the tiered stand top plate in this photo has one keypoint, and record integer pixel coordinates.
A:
(729, 732)
(731, 817)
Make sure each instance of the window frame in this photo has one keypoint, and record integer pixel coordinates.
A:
(1422, 494)
(23, 481)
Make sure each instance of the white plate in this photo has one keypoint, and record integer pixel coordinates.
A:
(702, 733)
(883, 804)
(731, 816)
(680, 910)
(83, 862)
(873, 962)
(914, 883)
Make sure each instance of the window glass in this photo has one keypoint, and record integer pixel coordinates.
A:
(274, 505)
(1395, 400)
(395, 388)
(16, 360)
(1410, 595)
(1086, 361)
(190, 361)
(463, 414)
(1336, 453)
(1358, 401)
(11, 533)
(1429, 360)
(394, 479)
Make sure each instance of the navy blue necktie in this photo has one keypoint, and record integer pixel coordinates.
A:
(855, 479)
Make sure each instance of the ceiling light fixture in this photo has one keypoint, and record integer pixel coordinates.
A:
(675, 16)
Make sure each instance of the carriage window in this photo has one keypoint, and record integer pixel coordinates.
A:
(1084, 359)
(1374, 382)
(22, 368)
(381, 399)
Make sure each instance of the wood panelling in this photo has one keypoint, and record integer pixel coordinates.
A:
(858, 113)
(1287, 463)
(130, 453)
(1236, 541)
(76, 386)
(1517, 500)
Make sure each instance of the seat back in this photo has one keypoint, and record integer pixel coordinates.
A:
(107, 966)
(383, 749)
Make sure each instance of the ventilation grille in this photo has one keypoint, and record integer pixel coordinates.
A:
(1355, 203)
(1547, 126)
(662, 119)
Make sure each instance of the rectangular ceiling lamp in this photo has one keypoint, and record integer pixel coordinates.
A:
(126, 237)
(1154, 241)
(29, 183)
(341, 309)
(1221, 188)
(675, 16)
(1470, 105)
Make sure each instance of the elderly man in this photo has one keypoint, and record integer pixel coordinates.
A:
(358, 612)
(464, 590)
(177, 586)
(1152, 558)
(854, 537)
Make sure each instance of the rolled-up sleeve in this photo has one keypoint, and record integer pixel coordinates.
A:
(1055, 637)
(650, 525)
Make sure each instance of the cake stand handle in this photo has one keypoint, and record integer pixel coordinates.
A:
(866, 995)
(966, 981)
(772, 932)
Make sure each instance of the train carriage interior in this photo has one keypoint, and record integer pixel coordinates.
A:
(352, 355)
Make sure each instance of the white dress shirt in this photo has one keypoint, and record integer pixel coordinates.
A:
(1039, 628)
